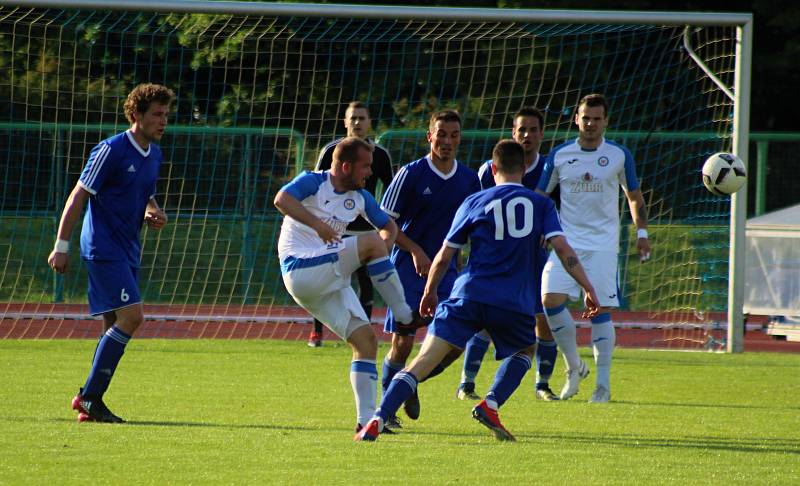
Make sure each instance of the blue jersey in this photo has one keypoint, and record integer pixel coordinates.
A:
(529, 180)
(121, 178)
(423, 202)
(505, 225)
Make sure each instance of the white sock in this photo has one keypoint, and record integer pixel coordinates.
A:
(384, 278)
(364, 378)
(603, 340)
(564, 333)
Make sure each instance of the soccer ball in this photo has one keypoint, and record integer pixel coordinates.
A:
(723, 174)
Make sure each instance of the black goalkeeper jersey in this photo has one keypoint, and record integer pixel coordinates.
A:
(381, 171)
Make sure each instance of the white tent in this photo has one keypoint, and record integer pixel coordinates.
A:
(772, 285)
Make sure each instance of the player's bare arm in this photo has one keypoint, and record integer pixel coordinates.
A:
(58, 259)
(639, 214)
(422, 264)
(288, 205)
(154, 216)
(441, 262)
(388, 233)
(573, 266)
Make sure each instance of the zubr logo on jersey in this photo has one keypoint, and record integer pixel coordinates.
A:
(349, 204)
(602, 161)
(337, 224)
(587, 183)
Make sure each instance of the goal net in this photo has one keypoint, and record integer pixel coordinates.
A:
(260, 91)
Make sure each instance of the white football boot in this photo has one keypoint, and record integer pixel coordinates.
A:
(574, 378)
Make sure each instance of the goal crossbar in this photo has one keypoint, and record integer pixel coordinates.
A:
(547, 16)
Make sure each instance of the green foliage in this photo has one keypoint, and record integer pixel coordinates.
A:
(275, 412)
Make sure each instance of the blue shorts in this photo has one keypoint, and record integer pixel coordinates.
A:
(412, 299)
(457, 320)
(112, 285)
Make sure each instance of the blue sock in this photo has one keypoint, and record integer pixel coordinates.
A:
(106, 359)
(508, 377)
(546, 356)
(473, 356)
(97, 346)
(388, 371)
(403, 385)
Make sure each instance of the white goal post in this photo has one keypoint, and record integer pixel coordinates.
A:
(741, 22)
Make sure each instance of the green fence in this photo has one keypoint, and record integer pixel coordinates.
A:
(218, 184)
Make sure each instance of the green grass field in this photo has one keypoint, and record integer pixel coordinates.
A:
(277, 412)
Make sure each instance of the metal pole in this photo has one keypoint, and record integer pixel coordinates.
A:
(741, 126)
(762, 148)
(60, 169)
(248, 190)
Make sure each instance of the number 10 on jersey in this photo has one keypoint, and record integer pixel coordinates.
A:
(507, 217)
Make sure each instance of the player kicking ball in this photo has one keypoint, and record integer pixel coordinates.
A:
(498, 291)
(316, 263)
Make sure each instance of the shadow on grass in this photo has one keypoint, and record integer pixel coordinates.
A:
(165, 423)
(705, 405)
(762, 445)
(755, 445)
(769, 445)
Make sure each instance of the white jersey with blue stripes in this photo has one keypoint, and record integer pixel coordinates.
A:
(590, 182)
(337, 209)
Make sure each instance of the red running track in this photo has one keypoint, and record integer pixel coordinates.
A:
(70, 321)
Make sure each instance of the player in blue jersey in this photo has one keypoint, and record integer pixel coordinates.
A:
(590, 171)
(358, 123)
(423, 198)
(498, 291)
(119, 183)
(528, 131)
(316, 263)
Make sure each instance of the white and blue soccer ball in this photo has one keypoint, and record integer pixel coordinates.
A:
(724, 173)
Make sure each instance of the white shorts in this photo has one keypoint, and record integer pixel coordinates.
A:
(600, 267)
(323, 289)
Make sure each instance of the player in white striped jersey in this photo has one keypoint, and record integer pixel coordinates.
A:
(590, 171)
(357, 122)
(316, 263)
